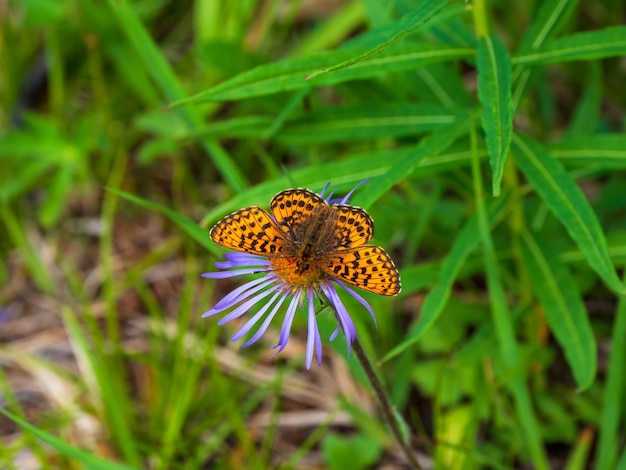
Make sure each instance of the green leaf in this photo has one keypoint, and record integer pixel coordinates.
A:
(409, 24)
(603, 151)
(192, 228)
(502, 320)
(563, 307)
(608, 42)
(358, 122)
(551, 16)
(437, 298)
(614, 392)
(341, 123)
(88, 460)
(289, 74)
(357, 452)
(494, 92)
(567, 202)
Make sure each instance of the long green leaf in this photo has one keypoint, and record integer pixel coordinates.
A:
(551, 16)
(567, 202)
(502, 320)
(603, 151)
(358, 122)
(494, 92)
(614, 393)
(608, 42)
(341, 123)
(437, 298)
(89, 460)
(564, 309)
(409, 24)
(289, 74)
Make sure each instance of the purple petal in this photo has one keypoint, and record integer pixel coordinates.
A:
(265, 324)
(253, 321)
(344, 317)
(243, 308)
(237, 259)
(318, 345)
(359, 298)
(346, 199)
(243, 292)
(335, 333)
(310, 340)
(285, 329)
(238, 295)
(321, 193)
(313, 337)
(227, 274)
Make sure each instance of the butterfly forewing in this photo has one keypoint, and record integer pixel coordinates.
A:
(367, 267)
(251, 230)
(353, 227)
(294, 206)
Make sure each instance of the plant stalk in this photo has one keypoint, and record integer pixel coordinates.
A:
(389, 411)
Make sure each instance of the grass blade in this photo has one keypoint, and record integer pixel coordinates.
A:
(494, 92)
(437, 298)
(551, 17)
(567, 202)
(409, 24)
(359, 122)
(289, 74)
(89, 460)
(608, 42)
(604, 151)
(503, 323)
(614, 392)
(564, 309)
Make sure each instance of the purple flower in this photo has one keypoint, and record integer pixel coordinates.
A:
(282, 280)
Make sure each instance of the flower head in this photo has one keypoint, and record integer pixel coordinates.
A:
(308, 249)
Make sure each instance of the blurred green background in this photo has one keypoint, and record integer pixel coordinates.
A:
(492, 133)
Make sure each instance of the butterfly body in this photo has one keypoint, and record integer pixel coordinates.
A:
(308, 240)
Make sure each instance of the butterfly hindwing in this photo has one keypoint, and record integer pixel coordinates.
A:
(367, 267)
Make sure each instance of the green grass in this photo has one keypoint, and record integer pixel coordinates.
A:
(494, 141)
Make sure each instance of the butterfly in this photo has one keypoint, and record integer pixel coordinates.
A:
(306, 239)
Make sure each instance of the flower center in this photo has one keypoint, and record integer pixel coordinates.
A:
(296, 272)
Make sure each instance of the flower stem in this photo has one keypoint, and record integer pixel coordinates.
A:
(393, 420)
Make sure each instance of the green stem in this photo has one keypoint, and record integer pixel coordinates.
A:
(480, 18)
(389, 411)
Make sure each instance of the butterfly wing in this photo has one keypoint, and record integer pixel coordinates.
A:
(367, 267)
(250, 230)
(294, 206)
(353, 227)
